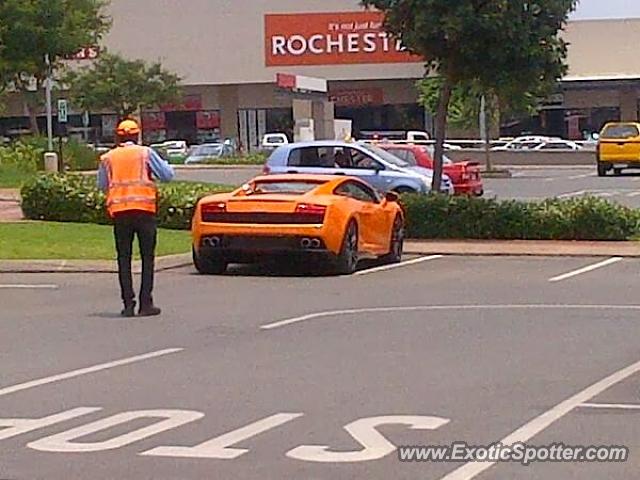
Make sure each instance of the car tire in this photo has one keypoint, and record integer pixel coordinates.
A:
(397, 242)
(617, 172)
(347, 261)
(208, 265)
(602, 170)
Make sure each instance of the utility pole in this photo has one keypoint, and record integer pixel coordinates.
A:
(484, 133)
(47, 62)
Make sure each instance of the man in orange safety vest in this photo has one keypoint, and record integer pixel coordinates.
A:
(126, 175)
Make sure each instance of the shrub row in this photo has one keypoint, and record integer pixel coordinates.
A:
(27, 155)
(587, 218)
(74, 198)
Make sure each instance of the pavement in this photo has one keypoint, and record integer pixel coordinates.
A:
(270, 374)
(10, 210)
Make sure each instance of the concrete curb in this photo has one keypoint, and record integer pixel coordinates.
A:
(169, 262)
(524, 248)
(486, 248)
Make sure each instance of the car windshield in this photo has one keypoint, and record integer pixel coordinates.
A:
(274, 140)
(432, 152)
(293, 187)
(386, 156)
(620, 131)
(207, 150)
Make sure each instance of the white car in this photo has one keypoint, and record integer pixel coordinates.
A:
(274, 140)
(523, 143)
(552, 145)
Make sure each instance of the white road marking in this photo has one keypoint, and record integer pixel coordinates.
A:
(578, 177)
(633, 195)
(85, 371)
(26, 286)
(12, 427)
(426, 308)
(579, 193)
(544, 421)
(587, 269)
(384, 268)
(219, 447)
(610, 406)
(64, 442)
(364, 431)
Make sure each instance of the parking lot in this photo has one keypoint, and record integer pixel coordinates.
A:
(527, 182)
(266, 374)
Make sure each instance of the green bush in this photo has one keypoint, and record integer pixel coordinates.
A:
(589, 218)
(22, 157)
(75, 198)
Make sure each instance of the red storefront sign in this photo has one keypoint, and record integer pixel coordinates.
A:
(87, 53)
(331, 39)
(190, 103)
(154, 121)
(208, 120)
(356, 98)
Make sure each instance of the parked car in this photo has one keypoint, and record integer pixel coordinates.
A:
(271, 141)
(207, 152)
(618, 148)
(555, 144)
(375, 166)
(340, 219)
(523, 143)
(466, 176)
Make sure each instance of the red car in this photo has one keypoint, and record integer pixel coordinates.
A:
(465, 176)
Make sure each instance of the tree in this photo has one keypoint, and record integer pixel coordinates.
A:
(122, 86)
(503, 46)
(33, 29)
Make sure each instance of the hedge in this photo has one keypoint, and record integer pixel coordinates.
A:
(587, 218)
(74, 198)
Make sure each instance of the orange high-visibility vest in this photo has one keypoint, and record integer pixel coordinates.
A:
(130, 183)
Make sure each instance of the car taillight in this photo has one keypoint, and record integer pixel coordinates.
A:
(216, 207)
(310, 209)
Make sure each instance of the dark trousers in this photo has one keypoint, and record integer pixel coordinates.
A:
(144, 226)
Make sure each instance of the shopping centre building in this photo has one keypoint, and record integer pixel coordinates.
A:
(229, 54)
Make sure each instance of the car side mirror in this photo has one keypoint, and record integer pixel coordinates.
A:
(378, 168)
(392, 197)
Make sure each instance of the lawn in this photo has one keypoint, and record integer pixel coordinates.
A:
(73, 241)
(12, 177)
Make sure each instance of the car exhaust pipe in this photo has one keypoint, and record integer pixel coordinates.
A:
(212, 242)
(305, 243)
(315, 243)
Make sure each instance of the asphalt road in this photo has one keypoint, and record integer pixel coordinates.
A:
(247, 372)
(527, 183)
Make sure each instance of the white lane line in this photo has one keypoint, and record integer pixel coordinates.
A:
(610, 406)
(579, 193)
(86, 371)
(384, 268)
(544, 421)
(427, 308)
(25, 286)
(578, 177)
(587, 269)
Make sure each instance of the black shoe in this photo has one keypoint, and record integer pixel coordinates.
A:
(129, 311)
(149, 311)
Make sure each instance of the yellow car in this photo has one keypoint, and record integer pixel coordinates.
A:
(339, 219)
(618, 147)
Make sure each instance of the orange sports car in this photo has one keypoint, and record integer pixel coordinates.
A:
(342, 219)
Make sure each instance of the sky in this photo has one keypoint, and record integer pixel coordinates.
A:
(592, 9)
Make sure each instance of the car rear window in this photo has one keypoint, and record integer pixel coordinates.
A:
(293, 187)
(620, 131)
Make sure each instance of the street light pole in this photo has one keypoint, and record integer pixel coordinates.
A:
(48, 101)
